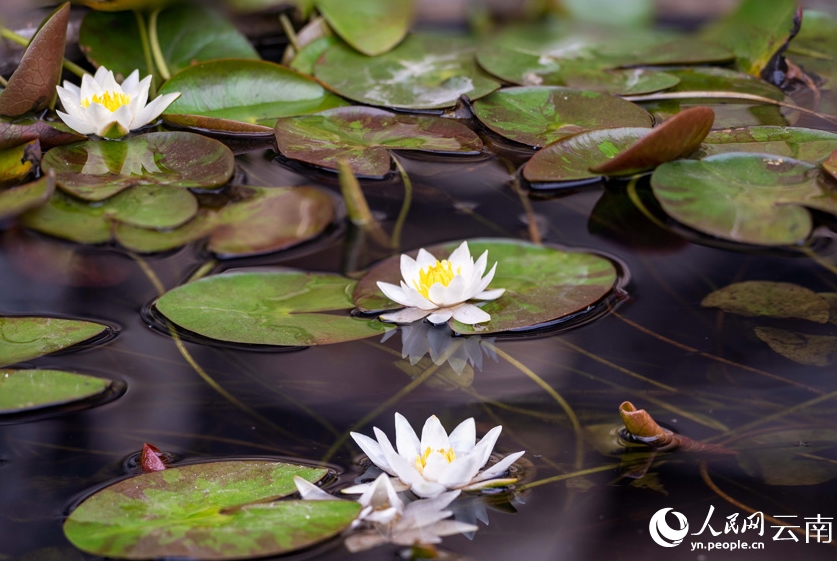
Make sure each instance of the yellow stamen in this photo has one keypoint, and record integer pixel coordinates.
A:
(441, 272)
(111, 100)
(421, 461)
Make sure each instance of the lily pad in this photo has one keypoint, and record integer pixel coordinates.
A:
(220, 510)
(373, 27)
(146, 206)
(423, 72)
(18, 163)
(242, 96)
(48, 134)
(186, 35)
(539, 115)
(20, 199)
(809, 145)
(571, 158)
(25, 338)
(269, 308)
(97, 170)
(363, 136)
(269, 219)
(543, 284)
(814, 47)
(32, 86)
(803, 348)
(676, 138)
(776, 456)
(830, 164)
(747, 198)
(771, 299)
(25, 390)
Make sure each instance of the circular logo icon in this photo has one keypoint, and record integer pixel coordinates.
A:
(665, 535)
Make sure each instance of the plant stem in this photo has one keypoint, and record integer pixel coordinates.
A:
(24, 42)
(146, 51)
(156, 51)
(405, 207)
(531, 217)
(562, 477)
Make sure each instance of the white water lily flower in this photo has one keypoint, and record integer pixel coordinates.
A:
(103, 107)
(438, 461)
(440, 290)
(386, 519)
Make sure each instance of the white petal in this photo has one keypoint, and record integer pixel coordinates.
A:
(373, 450)
(498, 469)
(394, 293)
(396, 483)
(464, 437)
(140, 91)
(311, 492)
(486, 444)
(416, 299)
(409, 269)
(154, 109)
(108, 82)
(451, 527)
(89, 86)
(489, 294)
(100, 75)
(70, 101)
(435, 465)
(420, 508)
(123, 116)
(409, 475)
(449, 295)
(406, 439)
(443, 315)
(460, 256)
(72, 89)
(382, 516)
(407, 315)
(381, 495)
(129, 84)
(460, 472)
(486, 280)
(434, 435)
(79, 125)
(425, 259)
(469, 314)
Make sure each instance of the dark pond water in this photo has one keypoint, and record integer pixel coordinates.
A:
(700, 372)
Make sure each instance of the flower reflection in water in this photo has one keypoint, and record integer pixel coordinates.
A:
(419, 338)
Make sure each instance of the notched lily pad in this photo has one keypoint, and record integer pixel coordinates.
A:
(97, 170)
(219, 510)
(26, 390)
(373, 27)
(571, 158)
(543, 284)
(808, 145)
(20, 199)
(269, 308)
(363, 136)
(242, 96)
(770, 299)
(423, 72)
(25, 338)
(747, 198)
(777, 457)
(269, 219)
(539, 115)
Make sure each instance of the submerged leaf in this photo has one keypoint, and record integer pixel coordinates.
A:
(362, 137)
(808, 145)
(25, 338)
(32, 86)
(26, 390)
(220, 510)
(770, 299)
(811, 350)
(373, 27)
(275, 308)
(777, 456)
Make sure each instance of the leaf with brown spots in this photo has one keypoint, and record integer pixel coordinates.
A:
(32, 86)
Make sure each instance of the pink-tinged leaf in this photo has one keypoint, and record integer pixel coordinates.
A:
(151, 460)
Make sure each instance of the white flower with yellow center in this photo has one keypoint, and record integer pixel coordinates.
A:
(438, 461)
(440, 290)
(103, 107)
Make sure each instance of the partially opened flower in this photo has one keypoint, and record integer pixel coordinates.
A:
(438, 461)
(440, 290)
(103, 107)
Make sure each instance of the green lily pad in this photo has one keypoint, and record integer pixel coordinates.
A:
(809, 145)
(747, 198)
(269, 219)
(269, 308)
(539, 115)
(729, 112)
(20, 199)
(146, 206)
(219, 510)
(373, 27)
(25, 390)
(676, 138)
(308, 55)
(543, 284)
(242, 96)
(755, 32)
(776, 456)
(771, 299)
(97, 170)
(571, 158)
(423, 72)
(186, 34)
(363, 136)
(48, 134)
(25, 338)
(32, 85)
(814, 47)
(803, 348)
(18, 163)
